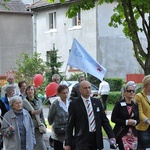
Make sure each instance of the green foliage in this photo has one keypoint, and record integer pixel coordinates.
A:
(103, 131)
(75, 8)
(3, 3)
(74, 77)
(52, 65)
(113, 97)
(29, 66)
(115, 83)
(93, 80)
(139, 88)
(52, 1)
(110, 107)
(89, 77)
(126, 13)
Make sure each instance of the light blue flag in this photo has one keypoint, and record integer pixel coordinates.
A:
(81, 59)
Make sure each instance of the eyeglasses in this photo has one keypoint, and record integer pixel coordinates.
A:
(129, 91)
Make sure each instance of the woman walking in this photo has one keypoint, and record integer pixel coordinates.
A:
(58, 117)
(125, 115)
(17, 127)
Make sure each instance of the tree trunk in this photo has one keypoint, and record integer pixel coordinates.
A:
(147, 62)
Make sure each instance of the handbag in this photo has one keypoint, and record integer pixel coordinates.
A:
(41, 125)
(51, 141)
(42, 128)
(60, 128)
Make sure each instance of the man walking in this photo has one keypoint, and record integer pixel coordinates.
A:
(104, 89)
(86, 119)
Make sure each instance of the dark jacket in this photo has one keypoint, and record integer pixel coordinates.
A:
(75, 93)
(78, 121)
(120, 115)
(4, 104)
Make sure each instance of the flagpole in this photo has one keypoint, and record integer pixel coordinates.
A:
(5, 120)
(65, 71)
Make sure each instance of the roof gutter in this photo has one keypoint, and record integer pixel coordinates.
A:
(54, 4)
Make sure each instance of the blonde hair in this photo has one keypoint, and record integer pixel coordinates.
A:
(146, 81)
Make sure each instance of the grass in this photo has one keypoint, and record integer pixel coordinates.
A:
(47, 124)
(109, 108)
(112, 125)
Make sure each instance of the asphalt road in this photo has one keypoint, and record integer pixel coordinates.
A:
(106, 142)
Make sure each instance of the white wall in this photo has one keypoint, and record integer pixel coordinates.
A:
(115, 51)
(106, 44)
(64, 37)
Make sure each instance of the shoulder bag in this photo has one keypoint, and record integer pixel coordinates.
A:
(60, 128)
(41, 125)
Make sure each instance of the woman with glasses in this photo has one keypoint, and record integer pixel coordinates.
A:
(125, 115)
(143, 128)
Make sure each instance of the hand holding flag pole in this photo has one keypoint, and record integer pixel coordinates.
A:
(11, 128)
(81, 59)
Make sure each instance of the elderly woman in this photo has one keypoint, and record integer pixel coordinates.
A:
(58, 116)
(17, 127)
(143, 100)
(125, 115)
(34, 107)
(5, 99)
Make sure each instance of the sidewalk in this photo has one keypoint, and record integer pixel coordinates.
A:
(106, 142)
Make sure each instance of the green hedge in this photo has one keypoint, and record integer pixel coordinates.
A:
(113, 97)
(115, 83)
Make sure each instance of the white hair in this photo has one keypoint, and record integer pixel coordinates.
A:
(13, 99)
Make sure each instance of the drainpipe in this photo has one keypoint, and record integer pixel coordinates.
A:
(34, 32)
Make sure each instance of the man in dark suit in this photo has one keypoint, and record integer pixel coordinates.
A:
(79, 128)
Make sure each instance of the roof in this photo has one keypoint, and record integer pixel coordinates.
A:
(13, 6)
(45, 4)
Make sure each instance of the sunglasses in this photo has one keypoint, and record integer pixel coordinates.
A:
(129, 91)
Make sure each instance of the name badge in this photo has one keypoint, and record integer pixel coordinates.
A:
(98, 110)
(123, 104)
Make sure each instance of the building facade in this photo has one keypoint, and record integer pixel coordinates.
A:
(107, 45)
(16, 34)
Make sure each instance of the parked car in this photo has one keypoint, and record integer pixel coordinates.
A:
(70, 84)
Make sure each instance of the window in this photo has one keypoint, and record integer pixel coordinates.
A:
(52, 20)
(76, 21)
(48, 56)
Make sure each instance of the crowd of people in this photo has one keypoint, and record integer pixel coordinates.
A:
(77, 121)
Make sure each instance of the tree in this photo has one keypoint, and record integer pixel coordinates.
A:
(29, 66)
(3, 4)
(127, 13)
(53, 65)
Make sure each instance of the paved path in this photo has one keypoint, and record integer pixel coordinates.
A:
(106, 143)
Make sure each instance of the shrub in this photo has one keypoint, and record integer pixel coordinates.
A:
(115, 83)
(113, 97)
(93, 80)
(138, 88)
(74, 77)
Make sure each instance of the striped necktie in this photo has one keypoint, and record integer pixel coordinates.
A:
(91, 118)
